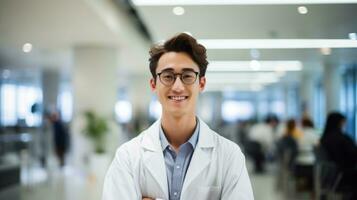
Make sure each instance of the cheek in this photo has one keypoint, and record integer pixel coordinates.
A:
(160, 91)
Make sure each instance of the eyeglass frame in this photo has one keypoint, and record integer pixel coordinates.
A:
(176, 74)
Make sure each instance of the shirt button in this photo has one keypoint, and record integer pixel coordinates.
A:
(175, 193)
(178, 167)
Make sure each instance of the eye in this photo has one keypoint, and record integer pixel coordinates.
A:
(167, 76)
(188, 75)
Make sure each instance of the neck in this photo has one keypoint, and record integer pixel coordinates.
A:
(178, 129)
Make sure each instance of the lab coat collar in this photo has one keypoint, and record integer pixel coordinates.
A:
(151, 140)
(155, 162)
(154, 158)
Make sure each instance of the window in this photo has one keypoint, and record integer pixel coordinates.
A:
(233, 110)
(155, 109)
(319, 106)
(349, 99)
(8, 105)
(278, 107)
(65, 104)
(16, 105)
(123, 111)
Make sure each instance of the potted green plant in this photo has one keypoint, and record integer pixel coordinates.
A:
(96, 128)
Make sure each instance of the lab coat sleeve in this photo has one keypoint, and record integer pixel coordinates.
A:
(236, 183)
(119, 181)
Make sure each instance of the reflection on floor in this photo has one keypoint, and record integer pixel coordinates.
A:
(264, 185)
(69, 184)
(65, 184)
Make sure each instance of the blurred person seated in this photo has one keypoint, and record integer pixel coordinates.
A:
(242, 133)
(260, 142)
(306, 142)
(306, 158)
(287, 147)
(342, 151)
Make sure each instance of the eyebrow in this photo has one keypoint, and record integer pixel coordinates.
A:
(184, 69)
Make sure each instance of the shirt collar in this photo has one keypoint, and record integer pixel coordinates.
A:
(193, 140)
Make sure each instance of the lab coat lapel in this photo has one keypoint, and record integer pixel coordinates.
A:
(154, 158)
(201, 156)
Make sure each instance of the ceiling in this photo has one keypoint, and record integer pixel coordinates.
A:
(56, 27)
(246, 21)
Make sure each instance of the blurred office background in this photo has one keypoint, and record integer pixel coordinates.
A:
(63, 62)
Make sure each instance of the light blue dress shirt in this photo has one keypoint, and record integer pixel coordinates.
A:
(177, 164)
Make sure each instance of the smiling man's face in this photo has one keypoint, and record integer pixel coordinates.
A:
(178, 99)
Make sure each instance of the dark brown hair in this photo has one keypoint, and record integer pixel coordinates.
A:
(290, 127)
(307, 122)
(180, 43)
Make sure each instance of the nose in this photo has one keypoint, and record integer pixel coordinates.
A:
(178, 85)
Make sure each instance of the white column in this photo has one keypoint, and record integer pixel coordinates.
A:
(94, 88)
(50, 86)
(332, 86)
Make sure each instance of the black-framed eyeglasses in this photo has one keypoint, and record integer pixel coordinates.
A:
(168, 78)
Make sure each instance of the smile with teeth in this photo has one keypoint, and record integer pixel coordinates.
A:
(178, 98)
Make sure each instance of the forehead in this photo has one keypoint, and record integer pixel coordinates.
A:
(176, 61)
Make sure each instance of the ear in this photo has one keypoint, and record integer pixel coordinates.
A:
(152, 84)
(202, 83)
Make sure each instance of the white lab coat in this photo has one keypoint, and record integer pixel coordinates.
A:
(217, 169)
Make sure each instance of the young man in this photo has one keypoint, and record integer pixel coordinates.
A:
(179, 156)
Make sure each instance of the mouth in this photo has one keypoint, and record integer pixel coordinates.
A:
(178, 98)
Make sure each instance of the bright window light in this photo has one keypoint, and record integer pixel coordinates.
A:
(277, 43)
(16, 104)
(27, 96)
(8, 105)
(237, 110)
(155, 109)
(65, 100)
(278, 108)
(123, 110)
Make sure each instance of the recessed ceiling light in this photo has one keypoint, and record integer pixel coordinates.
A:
(254, 53)
(325, 51)
(302, 10)
(352, 36)
(27, 47)
(178, 10)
